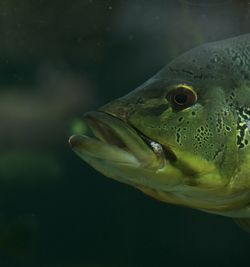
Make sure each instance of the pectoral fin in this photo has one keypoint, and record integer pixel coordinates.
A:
(244, 223)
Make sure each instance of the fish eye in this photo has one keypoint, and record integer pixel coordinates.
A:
(182, 96)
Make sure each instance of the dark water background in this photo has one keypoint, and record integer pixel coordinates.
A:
(59, 59)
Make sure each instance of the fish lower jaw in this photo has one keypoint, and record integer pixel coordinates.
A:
(91, 149)
(122, 165)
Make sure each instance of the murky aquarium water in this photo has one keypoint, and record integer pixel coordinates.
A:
(60, 59)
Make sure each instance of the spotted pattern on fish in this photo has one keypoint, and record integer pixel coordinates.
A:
(243, 129)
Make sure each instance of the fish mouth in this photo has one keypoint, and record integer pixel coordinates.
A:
(118, 142)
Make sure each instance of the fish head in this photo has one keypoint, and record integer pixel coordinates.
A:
(174, 137)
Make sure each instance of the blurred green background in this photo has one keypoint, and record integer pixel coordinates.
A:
(59, 59)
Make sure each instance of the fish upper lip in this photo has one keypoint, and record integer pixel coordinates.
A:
(106, 133)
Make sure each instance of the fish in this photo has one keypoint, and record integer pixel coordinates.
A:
(183, 136)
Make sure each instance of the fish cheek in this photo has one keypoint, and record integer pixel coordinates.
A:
(162, 125)
(215, 138)
(195, 129)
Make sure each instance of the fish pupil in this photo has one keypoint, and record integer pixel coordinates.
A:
(180, 98)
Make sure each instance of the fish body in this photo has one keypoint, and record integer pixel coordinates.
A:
(182, 137)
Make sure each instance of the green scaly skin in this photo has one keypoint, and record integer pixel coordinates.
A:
(208, 142)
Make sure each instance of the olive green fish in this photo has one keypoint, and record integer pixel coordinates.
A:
(182, 137)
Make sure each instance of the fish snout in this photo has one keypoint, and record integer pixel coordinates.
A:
(118, 108)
